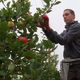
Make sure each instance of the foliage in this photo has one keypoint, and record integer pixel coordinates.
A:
(20, 60)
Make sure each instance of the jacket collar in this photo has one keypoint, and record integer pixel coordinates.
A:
(68, 25)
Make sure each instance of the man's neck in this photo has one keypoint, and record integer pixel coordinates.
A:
(70, 23)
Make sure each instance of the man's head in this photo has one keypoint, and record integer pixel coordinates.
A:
(69, 16)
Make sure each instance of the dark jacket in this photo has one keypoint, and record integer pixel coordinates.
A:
(70, 38)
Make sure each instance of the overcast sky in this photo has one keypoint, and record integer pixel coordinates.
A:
(56, 18)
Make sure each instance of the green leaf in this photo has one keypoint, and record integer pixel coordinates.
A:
(3, 30)
(47, 2)
(8, 4)
(18, 9)
(2, 73)
(11, 66)
(29, 54)
(47, 44)
(57, 2)
(2, 0)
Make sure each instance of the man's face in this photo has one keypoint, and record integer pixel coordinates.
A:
(68, 17)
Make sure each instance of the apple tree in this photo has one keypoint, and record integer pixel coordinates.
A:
(23, 56)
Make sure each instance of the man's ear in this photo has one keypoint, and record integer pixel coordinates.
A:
(73, 17)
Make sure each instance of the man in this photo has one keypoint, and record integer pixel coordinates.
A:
(70, 39)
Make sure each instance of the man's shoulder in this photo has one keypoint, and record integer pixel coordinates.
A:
(76, 25)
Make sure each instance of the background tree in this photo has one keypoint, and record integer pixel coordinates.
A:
(22, 55)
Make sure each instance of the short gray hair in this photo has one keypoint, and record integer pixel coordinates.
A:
(71, 11)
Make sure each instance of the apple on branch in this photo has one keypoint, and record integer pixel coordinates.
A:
(11, 24)
(23, 39)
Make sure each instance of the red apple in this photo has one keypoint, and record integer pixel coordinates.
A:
(45, 17)
(23, 39)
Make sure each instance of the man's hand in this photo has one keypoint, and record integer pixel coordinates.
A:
(44, 23)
